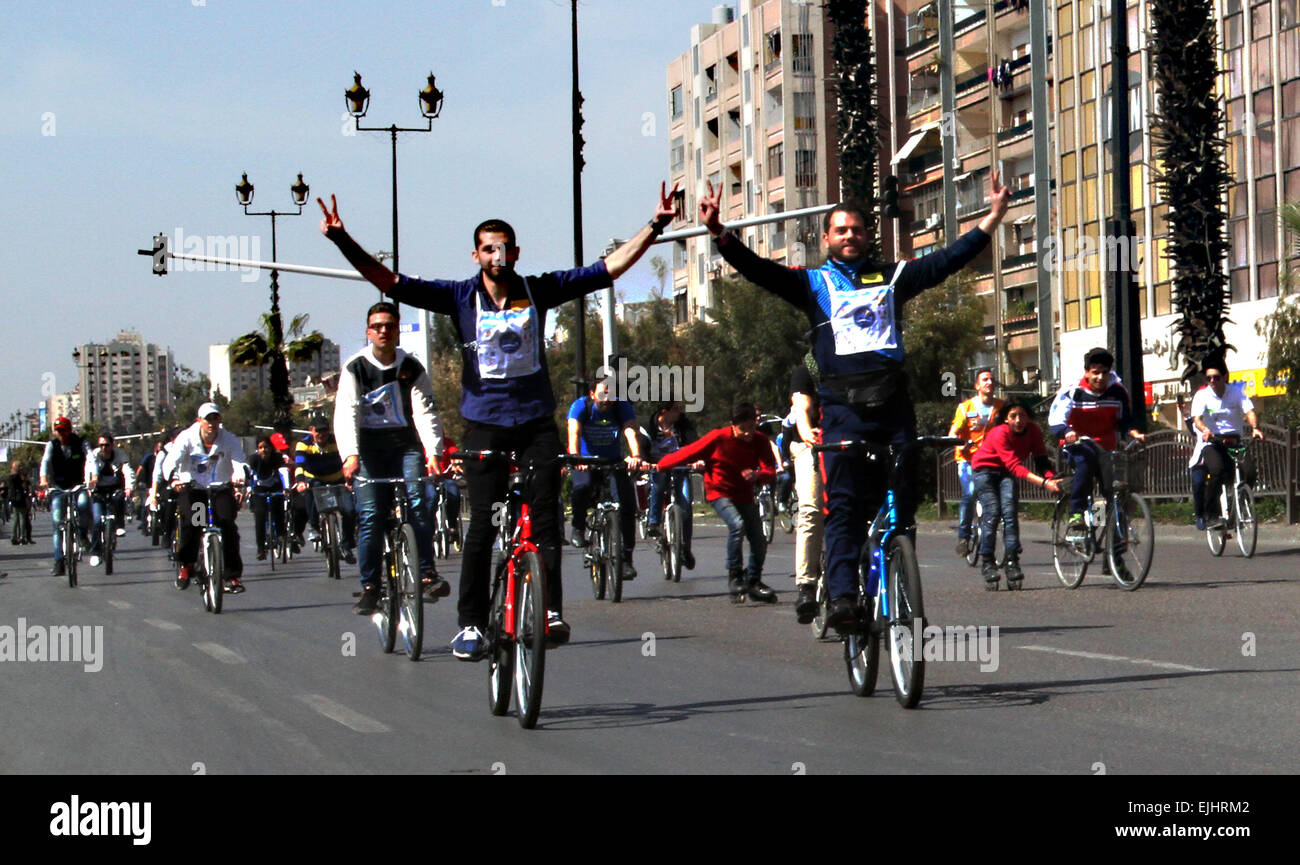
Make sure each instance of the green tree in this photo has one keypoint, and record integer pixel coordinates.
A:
(267, 346)
(191, 389)
(942, 330)
(855, 86)
(1195, 174)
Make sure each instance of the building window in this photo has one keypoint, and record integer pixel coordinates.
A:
(771, 49)
(775, 161)
(805, 111)
(678, 160)
(749, 141)
(805, 168)
(710, 84)
(802, 53)
(748, 83)
(744, 30)
(675, 103)
(774, 107)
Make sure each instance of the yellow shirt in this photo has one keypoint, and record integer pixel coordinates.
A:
(969, 424)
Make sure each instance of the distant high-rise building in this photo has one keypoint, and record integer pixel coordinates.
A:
(749, 110)
(233, 381)
(123, 381)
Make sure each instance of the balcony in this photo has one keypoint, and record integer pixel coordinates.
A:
(1014, 261)
(1013, 132)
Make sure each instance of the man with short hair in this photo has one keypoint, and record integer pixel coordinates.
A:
(386, 427)
(205, 455)
(110, 479)
(595, 422)
(316, 461)
(1218, 408)
(508, 405)
(855, 307)
(63, 467)
(971, 422)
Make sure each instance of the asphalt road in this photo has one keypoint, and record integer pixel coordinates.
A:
(1196, 672)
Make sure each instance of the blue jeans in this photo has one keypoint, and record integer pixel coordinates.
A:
(58, 501)
(742, 521)
(99, 505)
(997, 493)
(967, 510)
(1085, 465)
(436, 489)
(659, 481)
(374, 502)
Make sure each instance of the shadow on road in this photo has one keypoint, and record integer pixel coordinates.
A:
(613, 715)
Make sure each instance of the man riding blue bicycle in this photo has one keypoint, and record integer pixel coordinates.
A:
(854, 304)
(595, 423)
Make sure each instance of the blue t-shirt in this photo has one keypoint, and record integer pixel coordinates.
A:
(601, 428)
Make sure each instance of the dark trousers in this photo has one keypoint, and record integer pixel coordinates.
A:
(265, 507)
(536, 440)
(22, 531)
(583, 483)
(1219, 473)
(193, 517)
(854, 486)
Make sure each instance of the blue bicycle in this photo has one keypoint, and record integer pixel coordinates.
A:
(893, 605)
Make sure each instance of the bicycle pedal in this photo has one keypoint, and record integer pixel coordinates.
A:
(738, 599)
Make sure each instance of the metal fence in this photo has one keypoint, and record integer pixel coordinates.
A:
(1165, 474)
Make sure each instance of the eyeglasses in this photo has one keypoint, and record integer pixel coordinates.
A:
(1214, 378)
(383, 325)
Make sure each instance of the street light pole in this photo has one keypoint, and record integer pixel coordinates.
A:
(280, 366)
(580, 338)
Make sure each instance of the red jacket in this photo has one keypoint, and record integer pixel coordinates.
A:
(1003, 450)
(727, 456)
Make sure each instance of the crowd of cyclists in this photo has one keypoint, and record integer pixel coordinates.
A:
(385, 426)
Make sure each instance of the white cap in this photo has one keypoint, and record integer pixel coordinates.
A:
(208, 408)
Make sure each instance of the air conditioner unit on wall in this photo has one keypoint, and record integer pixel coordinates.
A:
(933, 220)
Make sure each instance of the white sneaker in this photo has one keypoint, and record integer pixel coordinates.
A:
(94, 561)
(121, 532)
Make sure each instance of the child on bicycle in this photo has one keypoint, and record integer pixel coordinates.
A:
(1000, 460)
(1097, 406)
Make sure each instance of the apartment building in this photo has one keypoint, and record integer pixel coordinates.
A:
(749, 110)
(123, 381)
(1260, 86)
(957, 100)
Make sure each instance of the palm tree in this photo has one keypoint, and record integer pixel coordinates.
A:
(267, 346)
(1190, 146)
(855, 87)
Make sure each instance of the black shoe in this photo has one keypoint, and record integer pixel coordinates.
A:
(759, 592)
(629, 570)
(805, 604)
(557, 630)
(369, 601)
(963, 547)
(688, 560)
(435, 587)
(990, 572)
(261, 555)
(1014, 574)
(843, 614)
(736, 584)
(58, 569)
(349, 556)
(234, 586)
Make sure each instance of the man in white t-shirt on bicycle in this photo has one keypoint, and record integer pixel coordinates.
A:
(1218, 408)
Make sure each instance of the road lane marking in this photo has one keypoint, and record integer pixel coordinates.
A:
(221, 653)
(163, 624)
(121, 605)
(343, 715)
(1097, 656)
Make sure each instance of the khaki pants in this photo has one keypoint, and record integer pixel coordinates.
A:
(808, 532)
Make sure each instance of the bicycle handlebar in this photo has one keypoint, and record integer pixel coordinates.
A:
(864, 444)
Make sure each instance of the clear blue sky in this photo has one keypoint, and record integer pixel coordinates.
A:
(157, 106)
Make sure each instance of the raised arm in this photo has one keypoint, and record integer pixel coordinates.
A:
(332, 227)
(620, 260)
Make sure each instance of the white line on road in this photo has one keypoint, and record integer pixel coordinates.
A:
(121, 605)
(163, 624)
(1097, 656)
(221, 653)
(343, 715)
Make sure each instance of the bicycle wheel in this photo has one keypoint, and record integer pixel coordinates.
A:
(1247, 528)
(823, 608)
(458, 534)
(862, 653)
(906, 621)
(214, 568)
(70, 552)
(1069, 551)
(614, 557)
(766, 514)
(386, 615)
(973, 539)
(790, 516)
(1132, 542)
(272, 545)
(530, 638)
(109, 543)
(330, 527)
(412, 604)
(596, 557)
(501, 654)
(676, 541)
(1217, 537)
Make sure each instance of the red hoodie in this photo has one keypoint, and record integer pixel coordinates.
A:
(1003, 450)
(727, 456)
